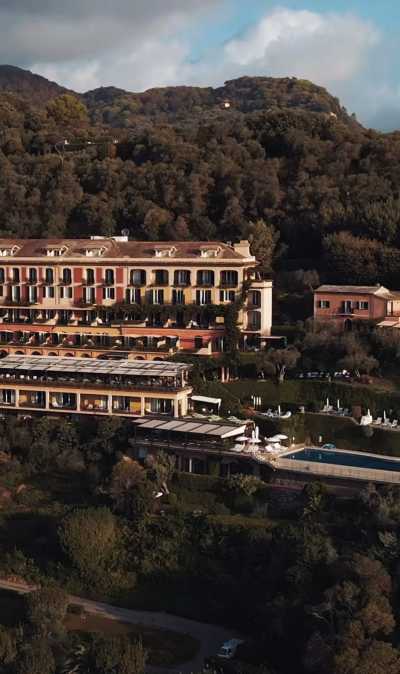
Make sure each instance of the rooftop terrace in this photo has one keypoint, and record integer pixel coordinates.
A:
(129, 368)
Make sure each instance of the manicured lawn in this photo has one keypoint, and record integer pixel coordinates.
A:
(165, 647)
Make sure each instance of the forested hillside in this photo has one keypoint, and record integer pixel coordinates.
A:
(186, 165)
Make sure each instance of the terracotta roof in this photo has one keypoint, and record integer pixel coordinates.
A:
(76, 248)
(356, 290)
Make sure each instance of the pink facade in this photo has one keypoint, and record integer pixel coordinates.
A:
(345, 304)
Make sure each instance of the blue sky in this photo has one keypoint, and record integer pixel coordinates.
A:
(348, 46)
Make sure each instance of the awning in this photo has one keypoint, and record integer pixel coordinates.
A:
(205, 399)
(389, 324)
(83, 330)
(195, 427)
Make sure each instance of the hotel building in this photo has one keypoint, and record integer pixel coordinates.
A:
(110, 388)
(345, 305)
(115, 298)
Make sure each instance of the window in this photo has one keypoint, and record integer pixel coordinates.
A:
(133, 296)
(15, 275)
(161, 277)
(182, 277)
(203, 297)
(254, 320)
(94, 252)
(226, 295)
(32, 275)
(49, 276)
(210, 252)
(255, 298)
(229, 278)
(198, 342)
(16, 293)
(364, 305)
(66, 276)
(48, 292)
(137, 277)
(108, 293)
(1, 291)
(32, 294)
(323, 304)
(2, 275)
(109, 277)
(165, 251)
(89, 295)
(205, 278)
(7, 252)
(158, 406)
(90, 276)
(178, 297)
(157, 297)
(65, 293)
(55, 252)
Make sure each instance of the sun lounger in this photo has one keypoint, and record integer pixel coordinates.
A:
(377, 422)
(394, 423)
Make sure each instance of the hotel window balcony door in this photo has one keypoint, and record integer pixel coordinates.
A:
(49, 276)
(137, 277)
(254, 320)
(182, 277)
(63, 400)
(133, 296)
(203, 297)
(178, 296)
(157, 297)
(89, 277)
(32, 295)
(108, 293)
(16, 293)
(66, 293)
(2, 275)
(32, 275)
(89, 295)
(226, 296)
(161, 277)
(158, 406)
(48, 292)
(229, 278)
(347, 307)
(7, 397)
(109, 277)
(66, 276)
(15, 275)
(205, 277)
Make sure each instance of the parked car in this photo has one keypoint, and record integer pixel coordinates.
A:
(229, 648)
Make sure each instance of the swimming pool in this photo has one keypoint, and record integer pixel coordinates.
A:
(355, 460)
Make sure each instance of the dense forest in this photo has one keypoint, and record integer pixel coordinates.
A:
(203, 163)
(311, 581)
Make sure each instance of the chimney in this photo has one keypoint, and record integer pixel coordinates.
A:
(243, 248)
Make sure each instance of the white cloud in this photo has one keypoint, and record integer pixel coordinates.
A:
(322, 47)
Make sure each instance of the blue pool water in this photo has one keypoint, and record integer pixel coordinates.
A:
(344, 459)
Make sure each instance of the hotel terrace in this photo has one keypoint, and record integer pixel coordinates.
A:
(75, 386)
(115, 298)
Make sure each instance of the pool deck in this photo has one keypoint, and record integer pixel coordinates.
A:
(330, 470)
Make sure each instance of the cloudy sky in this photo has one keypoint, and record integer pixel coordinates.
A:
(349, 46)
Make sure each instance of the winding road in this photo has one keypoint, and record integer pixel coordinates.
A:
(210, 637)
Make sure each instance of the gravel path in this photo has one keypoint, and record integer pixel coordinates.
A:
(210, 637)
